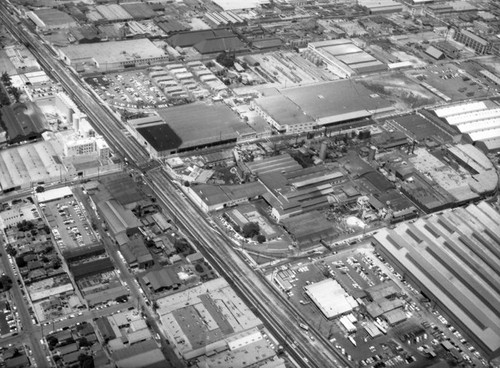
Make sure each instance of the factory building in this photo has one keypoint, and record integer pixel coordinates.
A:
(476, 121)
(469, 39)
(454, 259)
(113, 55)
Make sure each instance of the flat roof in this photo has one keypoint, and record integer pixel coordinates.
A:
(138, 10)
(330, 298)
(335, 98)
(283, 110)
(114, 51)
(187, 39)
(455, 257)
(238, 4)
(54, 17)
(194, 125)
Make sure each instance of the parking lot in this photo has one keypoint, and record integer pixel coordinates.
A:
(452, 81)
(155, 87)
(419, 339)
(128, 89)
(69, 224)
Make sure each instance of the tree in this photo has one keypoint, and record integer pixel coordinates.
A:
(250, 229)
(52, 341)
(261, 238)
(182, 246)
(16, 93)
(86, 361)
(199, 268)
(40, 189)
(226, 59)
(5, 283)
(21, 262)
(11, 250)
(82, 342)
(6, 79)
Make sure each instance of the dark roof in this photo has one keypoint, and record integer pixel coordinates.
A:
(92, 268)
(123, 188)
(17, 362)
(139, 250)
(193, 125)
(139, 348)
(434, 52)
(187, 39)
(138, 10)
(267, 43)
(161, 137)
(105, 328)
(22, 122)
(171, 25)
(83, 252)
(217, 45)
(86, 33)
(164, 278)
(378, 181)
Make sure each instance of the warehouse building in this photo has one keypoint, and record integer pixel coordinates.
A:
(330, 298)
(475, 121)
(23, 122)
(113, 55)
(322, 105)
(454, 258)
(51, 19)
(343, 58)
(381, 6)
(188, 127)
(29, 165)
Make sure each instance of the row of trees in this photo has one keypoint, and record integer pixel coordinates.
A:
(14, 91)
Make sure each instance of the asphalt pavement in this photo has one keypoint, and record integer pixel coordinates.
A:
(27, 333)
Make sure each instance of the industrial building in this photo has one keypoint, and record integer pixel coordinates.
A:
(202, 327)
(113, 55)
(113, 12)
(476, 179)
(330, 298)
(23, 122)
(454, 259)
(29, 165)
(188, 127)
(51, 19)
(469, 39)
(239, 5)
(212, 197)
(476, 121)
(328, 104)
(343, 58)
(283, 115)
(381, 6)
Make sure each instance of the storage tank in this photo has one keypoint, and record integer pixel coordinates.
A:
(323, 150)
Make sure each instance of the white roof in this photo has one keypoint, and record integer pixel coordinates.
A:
(477, 126)
(330, 298)
(444, 112)
(53, 194)
(485, 134)
(239, 4)
(473, 116)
